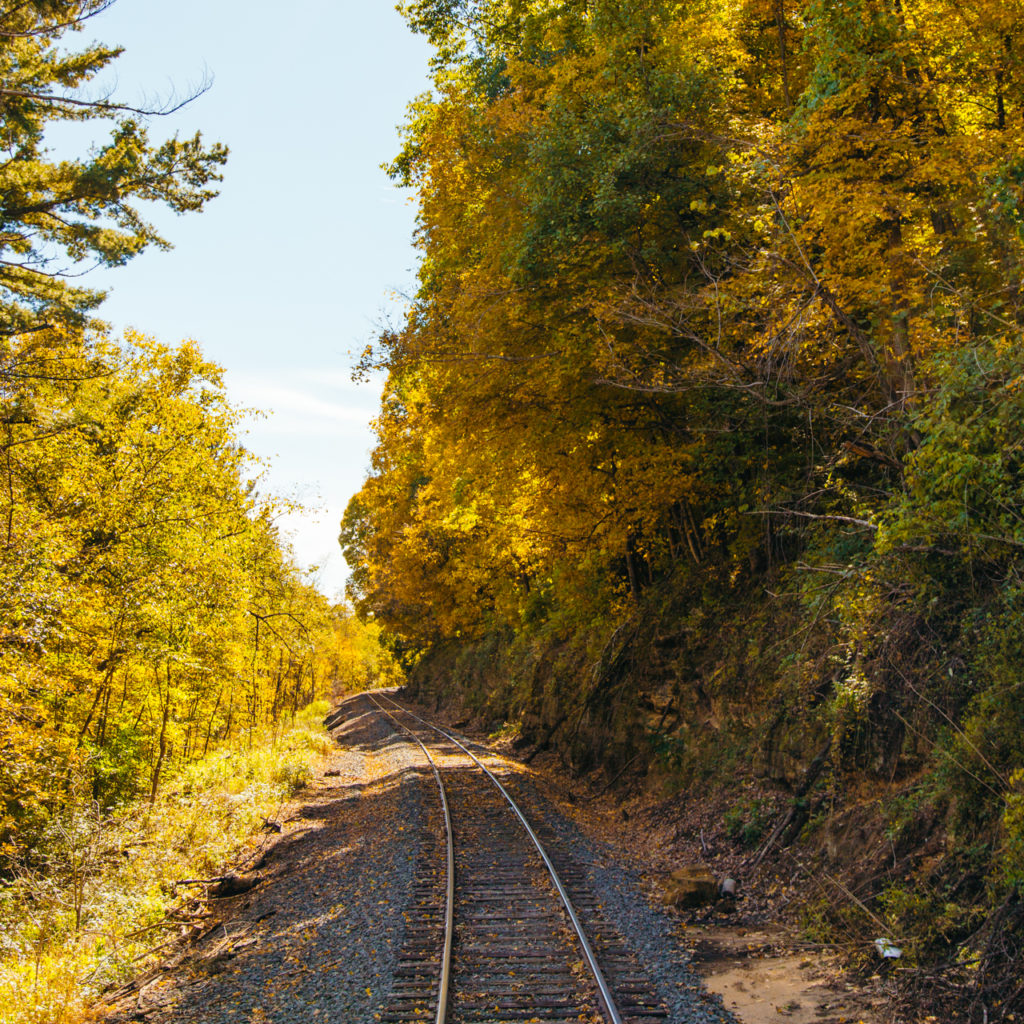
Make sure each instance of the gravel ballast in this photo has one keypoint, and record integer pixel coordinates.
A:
(319, 937)
(647, 931)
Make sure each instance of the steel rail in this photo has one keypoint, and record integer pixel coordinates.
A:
(449, 913)
(611, 1011)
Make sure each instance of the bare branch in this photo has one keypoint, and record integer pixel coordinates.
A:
(814, 515)
(106, 106)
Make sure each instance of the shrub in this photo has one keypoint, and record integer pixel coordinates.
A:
(745, 822)
(93, 904)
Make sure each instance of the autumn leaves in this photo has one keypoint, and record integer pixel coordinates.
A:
(149, 609)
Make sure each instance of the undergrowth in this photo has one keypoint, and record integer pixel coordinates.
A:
(98, 900)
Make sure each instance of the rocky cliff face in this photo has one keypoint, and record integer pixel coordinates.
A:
(869, 811)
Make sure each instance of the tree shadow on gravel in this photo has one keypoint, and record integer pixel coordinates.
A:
(317, 937)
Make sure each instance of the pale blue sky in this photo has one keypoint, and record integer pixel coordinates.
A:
(286, 275)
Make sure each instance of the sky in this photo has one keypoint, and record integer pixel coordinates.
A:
(291, 271)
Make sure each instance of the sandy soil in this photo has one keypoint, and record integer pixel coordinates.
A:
(762, 983)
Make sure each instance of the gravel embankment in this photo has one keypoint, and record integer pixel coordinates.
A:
(317, 940)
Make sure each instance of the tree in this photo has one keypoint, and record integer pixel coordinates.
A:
(60, 217)
(717, 337)
(148, 608)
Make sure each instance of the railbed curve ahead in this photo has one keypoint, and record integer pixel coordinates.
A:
(609, 1007)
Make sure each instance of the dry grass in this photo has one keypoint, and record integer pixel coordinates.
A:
(103, 900)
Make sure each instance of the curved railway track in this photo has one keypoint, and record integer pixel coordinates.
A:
(498, 936)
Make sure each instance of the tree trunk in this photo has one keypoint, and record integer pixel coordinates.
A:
(780, 22)
(163, 743)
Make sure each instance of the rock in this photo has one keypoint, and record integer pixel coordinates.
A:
(690, 886)
(887, 950)
(233, 885)
(216, 963)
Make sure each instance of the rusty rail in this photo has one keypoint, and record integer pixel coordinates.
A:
(609, 1007)
(449, 914)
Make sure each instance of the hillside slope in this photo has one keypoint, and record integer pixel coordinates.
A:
(699, 451)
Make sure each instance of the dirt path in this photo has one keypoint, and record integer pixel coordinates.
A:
(762, 981)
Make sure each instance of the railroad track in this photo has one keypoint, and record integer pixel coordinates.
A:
(496, 932)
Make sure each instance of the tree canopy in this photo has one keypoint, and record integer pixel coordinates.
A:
(687, 271)
(60, 217)
(703, 402)
(150, 609)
